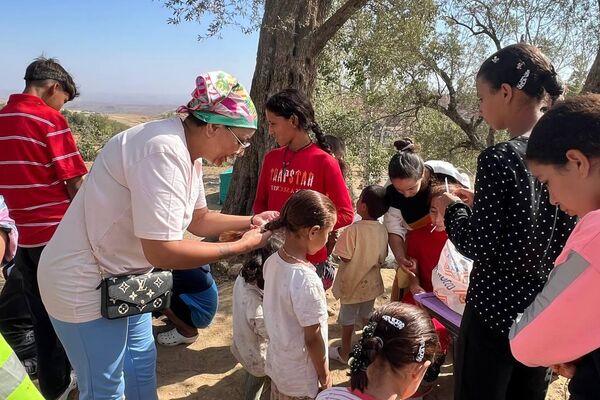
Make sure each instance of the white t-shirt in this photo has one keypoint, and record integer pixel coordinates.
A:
(294, 298)
(343, 393)
(249, 333)
(142, 185)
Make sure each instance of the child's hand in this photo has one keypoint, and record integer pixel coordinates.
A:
(566, 369)
(408, 264)
(326, 382)
(466, 195)
(415, 288)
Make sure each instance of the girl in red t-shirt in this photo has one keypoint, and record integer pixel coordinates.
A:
(299, 164)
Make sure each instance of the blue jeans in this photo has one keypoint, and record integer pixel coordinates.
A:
(112, 357)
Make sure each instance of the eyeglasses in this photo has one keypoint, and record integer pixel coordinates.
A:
(243, 145)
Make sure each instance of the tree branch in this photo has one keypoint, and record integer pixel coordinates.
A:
(489, 31)
(320, 36)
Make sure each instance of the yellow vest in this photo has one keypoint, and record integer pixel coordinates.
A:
(14, 381)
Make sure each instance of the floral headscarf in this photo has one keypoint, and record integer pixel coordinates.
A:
(220, 99)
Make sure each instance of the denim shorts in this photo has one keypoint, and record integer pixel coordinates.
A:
(349, 313)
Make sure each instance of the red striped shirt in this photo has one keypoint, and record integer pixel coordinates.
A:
(37, 154)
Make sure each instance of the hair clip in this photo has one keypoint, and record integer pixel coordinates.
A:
(394, 322)
(520, 65)
(421, 352)
(495, 59)
(357, 361)
(523, 81)
(369, 330)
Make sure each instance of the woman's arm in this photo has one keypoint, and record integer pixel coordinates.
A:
(208, 224)
(186, 254)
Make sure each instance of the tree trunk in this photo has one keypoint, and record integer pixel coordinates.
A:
(592, 82)
(292, 35)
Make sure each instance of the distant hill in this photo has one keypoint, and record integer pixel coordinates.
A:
(108, 108)
(139, 104)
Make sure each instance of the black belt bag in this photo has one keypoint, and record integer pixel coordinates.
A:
(124, 296)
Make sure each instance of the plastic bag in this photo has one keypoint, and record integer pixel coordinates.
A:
(450, 278)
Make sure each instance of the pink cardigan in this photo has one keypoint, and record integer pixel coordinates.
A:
(563, 322)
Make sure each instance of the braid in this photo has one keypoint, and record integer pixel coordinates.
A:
(363, 354)
(275, 224)
(321, 141)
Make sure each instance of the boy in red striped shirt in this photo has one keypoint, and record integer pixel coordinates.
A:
(41, 172)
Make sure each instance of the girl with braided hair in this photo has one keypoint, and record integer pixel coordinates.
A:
(397, 346)
(294, 303)
(299, 164)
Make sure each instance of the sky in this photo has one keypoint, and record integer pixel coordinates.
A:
(120, 51)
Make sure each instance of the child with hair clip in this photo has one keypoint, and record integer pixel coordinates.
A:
(250, 339)
(510, 229)
(294, 301)
(560, 328)
(300, 164)
(397, 346)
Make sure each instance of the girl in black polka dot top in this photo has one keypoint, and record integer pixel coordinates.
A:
(510, 229)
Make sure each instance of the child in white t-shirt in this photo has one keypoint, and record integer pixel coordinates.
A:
(294, 302)
(362, 248)
(249, 333)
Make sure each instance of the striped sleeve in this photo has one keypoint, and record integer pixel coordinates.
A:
(63, 151)
(563, 322)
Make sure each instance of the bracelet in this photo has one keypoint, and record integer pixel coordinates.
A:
(252, 220)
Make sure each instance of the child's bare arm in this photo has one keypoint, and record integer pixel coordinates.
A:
(316, 349)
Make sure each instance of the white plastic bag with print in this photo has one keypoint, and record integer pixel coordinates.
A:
(450, 278)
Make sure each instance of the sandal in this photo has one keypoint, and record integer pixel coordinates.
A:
(71, 389)
(174, 338)
(334, 354)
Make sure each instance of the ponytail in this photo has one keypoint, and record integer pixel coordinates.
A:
(320, 136)
(553, 86)
(275, 224)
(304, 209)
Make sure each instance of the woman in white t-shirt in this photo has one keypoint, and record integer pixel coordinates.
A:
(143, 192)
(397, 346)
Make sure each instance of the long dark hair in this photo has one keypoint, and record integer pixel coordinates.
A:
(406, 163)
(291, 102)
(338, 150)
(525, 67)
(398, 334)
(305, 209)
(252, 270)
(570, 124)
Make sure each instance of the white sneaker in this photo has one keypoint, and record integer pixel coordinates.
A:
(72, 386)
(174, 338)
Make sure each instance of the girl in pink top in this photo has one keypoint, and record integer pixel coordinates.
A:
(561, 328)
